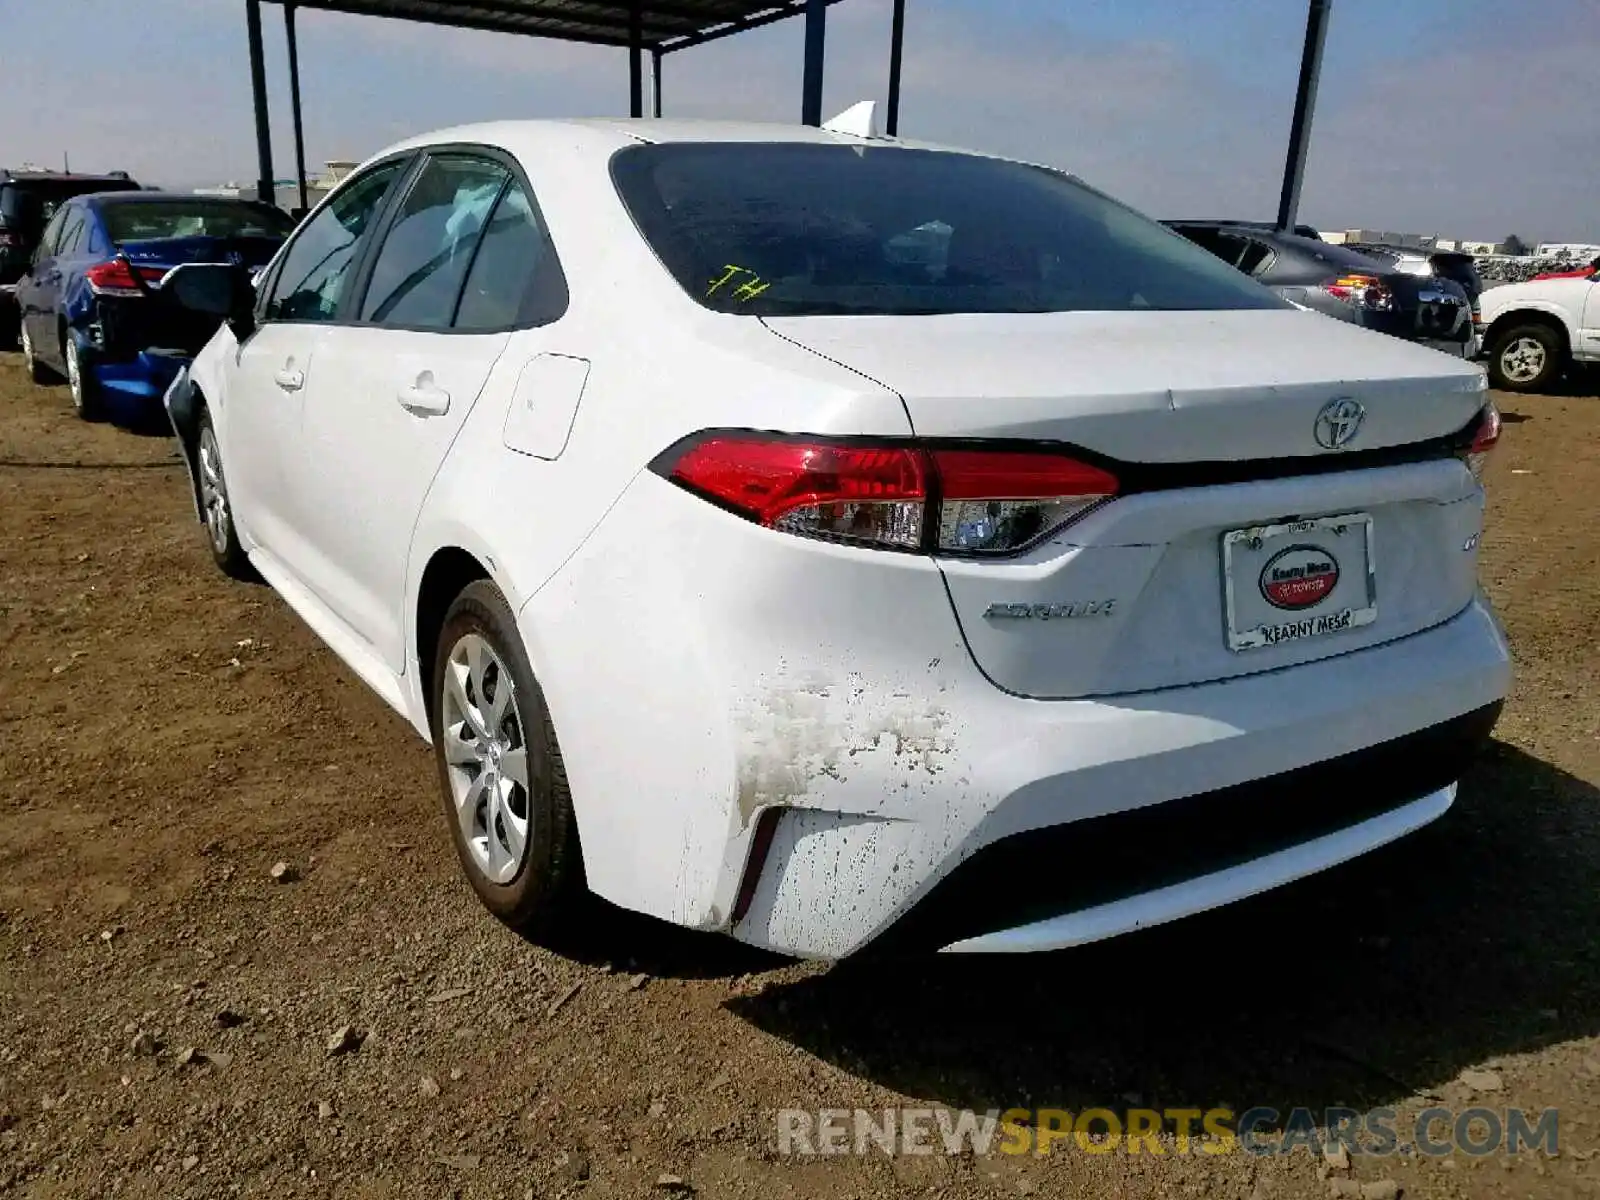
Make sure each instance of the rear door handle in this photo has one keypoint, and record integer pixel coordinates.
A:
(290, 380)
(424, 400)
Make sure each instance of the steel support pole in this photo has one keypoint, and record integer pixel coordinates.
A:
(1305, 101)
(635, 61)
(294, 100)
(655, 80)
(258, 87)
(897, 39)
(816, 41)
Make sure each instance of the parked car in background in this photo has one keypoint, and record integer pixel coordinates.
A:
(1535, 330)
(823, 540)
(1305, 231)
(1342, 283)
(28, 199)
(91, 305)
(1445, 264)
(1575, 273)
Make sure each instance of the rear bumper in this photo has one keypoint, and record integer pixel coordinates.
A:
(789, 741)
(1214, 889)
(1076, 821)
(145, 376)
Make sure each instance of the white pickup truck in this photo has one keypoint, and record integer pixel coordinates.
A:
(1534, 330)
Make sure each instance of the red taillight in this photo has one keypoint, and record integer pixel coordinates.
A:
(115, 278)
(962, 501)
(1484, 440)
(1366, 290)
(844, 492)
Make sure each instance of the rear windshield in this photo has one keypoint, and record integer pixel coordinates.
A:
(797, 229)
(147, 220)
(48, 194)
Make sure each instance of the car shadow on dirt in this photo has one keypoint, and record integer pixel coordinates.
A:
(1473, 938)
(602, 934)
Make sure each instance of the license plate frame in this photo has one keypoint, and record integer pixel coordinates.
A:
(1314, 622)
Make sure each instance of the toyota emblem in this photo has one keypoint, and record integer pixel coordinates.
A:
(1338, 422)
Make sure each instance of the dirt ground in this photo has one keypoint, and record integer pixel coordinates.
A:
(166, 1007)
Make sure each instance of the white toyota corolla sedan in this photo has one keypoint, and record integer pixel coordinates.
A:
(840, 542)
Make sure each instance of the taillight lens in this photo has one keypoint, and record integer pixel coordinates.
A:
(839, 492)
(1366, 291)
(115, 278)
(900, 497)
(1484, 440)
(993, 502)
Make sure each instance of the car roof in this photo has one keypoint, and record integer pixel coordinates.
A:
(148, 197)
(603, 136)
(58, 177)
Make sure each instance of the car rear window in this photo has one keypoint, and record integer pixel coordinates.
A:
(147, 220)
(797, 229)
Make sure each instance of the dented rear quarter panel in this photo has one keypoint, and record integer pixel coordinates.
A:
(658, 644)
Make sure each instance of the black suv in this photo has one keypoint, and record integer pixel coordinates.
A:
(27, 201)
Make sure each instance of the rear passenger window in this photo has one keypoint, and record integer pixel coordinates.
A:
(1254, 258)
(71, 234)
(417, 277)
(515, 279)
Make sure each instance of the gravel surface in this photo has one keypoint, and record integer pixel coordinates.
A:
(236, 957)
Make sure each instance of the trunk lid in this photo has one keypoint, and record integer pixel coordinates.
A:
(131, 324)
(1150, 591)
(174, 251)
(1150, 386)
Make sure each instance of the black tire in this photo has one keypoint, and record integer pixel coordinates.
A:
(1513, 344)
(547, 883)
(37, 371)
(86, 398)
(222, 538)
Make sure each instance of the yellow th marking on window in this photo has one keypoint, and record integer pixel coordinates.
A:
(729, 272)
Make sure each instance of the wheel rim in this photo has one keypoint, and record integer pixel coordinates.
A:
(74, 373)
(214, 493)
(1522, 361)
(486, 758)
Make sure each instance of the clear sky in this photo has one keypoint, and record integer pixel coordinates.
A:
(1467, 118)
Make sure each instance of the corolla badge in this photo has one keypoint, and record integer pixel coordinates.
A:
(1299, 577)
(1052, 612)
(1338, 422)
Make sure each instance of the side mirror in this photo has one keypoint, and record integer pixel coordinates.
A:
(227, 293)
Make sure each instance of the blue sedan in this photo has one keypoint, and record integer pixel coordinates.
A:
(92, 308)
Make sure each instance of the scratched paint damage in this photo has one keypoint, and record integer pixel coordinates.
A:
(802, 737)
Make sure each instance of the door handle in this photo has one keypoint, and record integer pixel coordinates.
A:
(289, 379)
(424, 400)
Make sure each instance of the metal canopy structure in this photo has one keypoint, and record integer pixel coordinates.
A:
(658, 27)
(664, 26)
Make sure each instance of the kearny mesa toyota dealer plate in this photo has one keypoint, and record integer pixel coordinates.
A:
(1298, 580)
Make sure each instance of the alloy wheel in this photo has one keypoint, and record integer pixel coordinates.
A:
(1522, 360)
(74, 372)
(486, 757)
(214, 493)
